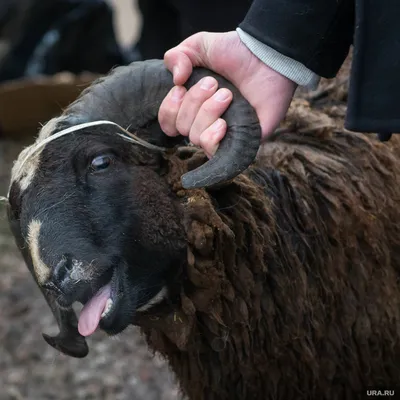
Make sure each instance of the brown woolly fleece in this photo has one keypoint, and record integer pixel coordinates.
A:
(292, 285)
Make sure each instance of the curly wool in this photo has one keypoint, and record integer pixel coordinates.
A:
(291, 285)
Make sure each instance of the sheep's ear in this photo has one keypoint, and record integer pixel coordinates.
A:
(68, 341)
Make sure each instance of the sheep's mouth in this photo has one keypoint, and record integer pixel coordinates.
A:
(100, 306)
(114, 306)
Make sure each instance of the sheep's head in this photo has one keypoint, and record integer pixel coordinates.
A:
(93, 214)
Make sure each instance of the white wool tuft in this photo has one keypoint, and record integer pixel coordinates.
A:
(42, 271)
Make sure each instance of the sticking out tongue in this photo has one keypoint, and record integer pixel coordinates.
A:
(91, 312)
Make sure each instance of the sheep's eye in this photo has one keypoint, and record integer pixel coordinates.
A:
(100, 163)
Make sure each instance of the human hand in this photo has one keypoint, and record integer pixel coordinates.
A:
(196, 113)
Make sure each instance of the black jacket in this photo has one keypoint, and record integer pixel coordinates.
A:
(319, 33)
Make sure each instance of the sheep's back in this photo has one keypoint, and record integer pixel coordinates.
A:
(336, 204)
(351, 179)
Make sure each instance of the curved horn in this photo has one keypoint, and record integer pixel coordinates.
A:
(238, 148)
(69, 341)
(132, 96)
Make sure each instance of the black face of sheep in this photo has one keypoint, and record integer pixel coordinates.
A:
(111, 241)
(93, 215)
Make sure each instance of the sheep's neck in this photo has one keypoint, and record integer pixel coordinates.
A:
(228, 236)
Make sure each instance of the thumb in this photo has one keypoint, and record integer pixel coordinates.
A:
(181, 59)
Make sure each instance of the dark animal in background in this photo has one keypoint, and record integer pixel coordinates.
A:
(45, 37)
(166, 23)
(49, 36)
(280, 282)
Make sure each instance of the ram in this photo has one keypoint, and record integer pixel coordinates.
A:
(270, 274)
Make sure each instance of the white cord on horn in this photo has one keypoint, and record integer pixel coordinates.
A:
(128, 136)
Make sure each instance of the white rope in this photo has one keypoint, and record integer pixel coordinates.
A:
(128, 136)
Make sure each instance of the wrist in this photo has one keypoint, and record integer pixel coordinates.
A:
(269, 92)
(286, 66)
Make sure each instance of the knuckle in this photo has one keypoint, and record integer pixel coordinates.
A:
(171, 54)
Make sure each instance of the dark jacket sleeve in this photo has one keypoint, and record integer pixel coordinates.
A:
(317, 33)
(373, 102)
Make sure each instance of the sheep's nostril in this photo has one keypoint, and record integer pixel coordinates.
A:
(62, 269)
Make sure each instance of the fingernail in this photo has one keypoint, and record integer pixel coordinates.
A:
(207, 83)
(175, 71)
(177, 93)
(222, 95)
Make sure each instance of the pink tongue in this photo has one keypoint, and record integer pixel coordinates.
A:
(91, 312)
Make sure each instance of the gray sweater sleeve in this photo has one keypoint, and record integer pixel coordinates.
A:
(286, 66)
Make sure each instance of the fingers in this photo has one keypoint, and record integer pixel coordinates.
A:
(193, 101)
(211, 137)
(169, 110)
(195, 113)
(189, 113)
(209, 112)
(179, 108)
(179, 64)
(181, 59)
